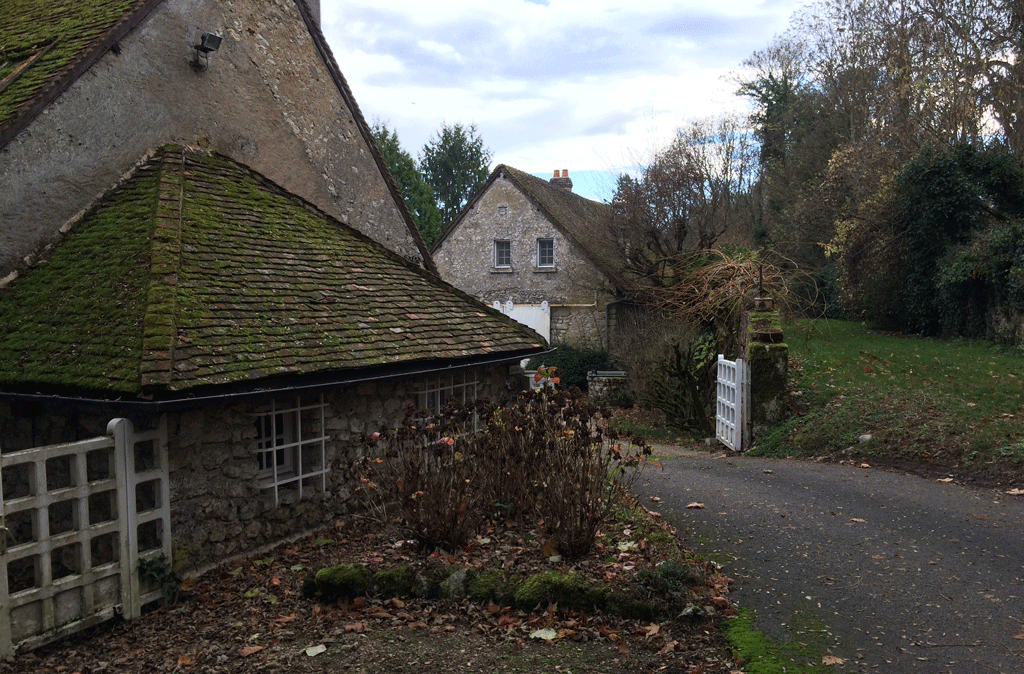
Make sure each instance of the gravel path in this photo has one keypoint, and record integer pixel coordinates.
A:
(907, 574)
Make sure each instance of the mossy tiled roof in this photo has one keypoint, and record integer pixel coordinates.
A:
(197, 271)
(42, 42)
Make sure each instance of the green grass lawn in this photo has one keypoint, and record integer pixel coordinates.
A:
(952, 404)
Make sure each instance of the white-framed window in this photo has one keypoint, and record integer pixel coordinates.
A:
(274, 435)
(291, 446)
(502, 253)
(545, 252)
(434, 391)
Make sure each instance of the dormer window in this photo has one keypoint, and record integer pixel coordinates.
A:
(502, 254)
(545, 252)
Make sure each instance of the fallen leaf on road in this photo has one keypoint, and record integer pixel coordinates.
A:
(249, 650)
(651, 630)
(695, 505)
(865, 465)
(547, 634)
(767, 472)
(1019, 637)
(831, 660)
(857, 519)
(1015, 492)
(655, 498)
(186, 660)
(945, 479)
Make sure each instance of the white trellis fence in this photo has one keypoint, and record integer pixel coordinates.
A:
(76, 519)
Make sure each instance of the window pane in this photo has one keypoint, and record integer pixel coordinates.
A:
(545, 252)
(291, 447)
(502, 253)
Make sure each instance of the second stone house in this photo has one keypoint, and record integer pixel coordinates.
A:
(536, 250)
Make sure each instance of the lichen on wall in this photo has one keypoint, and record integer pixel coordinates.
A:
(769, 372)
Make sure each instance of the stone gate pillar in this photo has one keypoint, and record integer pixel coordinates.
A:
(763, 345)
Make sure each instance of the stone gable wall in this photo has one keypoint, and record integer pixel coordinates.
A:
(576, 291)
(267, 100)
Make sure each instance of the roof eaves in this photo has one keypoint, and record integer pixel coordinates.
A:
(75, 69)
(289, 384)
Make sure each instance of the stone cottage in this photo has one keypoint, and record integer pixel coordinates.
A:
(198, 234)
(539, 252)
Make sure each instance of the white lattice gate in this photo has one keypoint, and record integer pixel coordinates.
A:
(732, 406)
(77, 519)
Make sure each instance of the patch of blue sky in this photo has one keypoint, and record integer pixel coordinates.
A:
(596, 185)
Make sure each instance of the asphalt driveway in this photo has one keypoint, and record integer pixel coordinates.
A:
(905, 574)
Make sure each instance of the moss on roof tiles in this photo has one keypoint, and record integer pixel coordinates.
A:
(76, 319)
(41, 40)
(206, 274)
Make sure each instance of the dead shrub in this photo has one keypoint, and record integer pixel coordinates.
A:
(538, 457)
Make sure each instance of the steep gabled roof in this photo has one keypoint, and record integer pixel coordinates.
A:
(583, 221)
(199, 272)
(45, 45)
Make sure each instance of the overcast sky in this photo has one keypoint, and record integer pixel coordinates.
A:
(585, 85)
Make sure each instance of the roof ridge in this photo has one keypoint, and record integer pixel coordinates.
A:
(159, 324)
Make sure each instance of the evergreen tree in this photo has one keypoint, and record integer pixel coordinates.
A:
(455, 163)
(418, 195)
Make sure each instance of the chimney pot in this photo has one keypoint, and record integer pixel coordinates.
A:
(562, 180)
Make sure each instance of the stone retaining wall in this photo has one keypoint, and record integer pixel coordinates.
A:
(608, 388)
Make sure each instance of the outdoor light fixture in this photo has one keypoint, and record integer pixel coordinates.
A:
(208, 42)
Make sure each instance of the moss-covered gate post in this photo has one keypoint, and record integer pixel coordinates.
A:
(767, 355)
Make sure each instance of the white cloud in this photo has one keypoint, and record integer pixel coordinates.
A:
(444, 50)
(577, 84)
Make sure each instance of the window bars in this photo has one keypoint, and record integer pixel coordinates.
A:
(291, 448)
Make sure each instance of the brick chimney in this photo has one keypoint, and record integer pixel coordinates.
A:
(564, 182)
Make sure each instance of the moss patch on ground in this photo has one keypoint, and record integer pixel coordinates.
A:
(761, 655)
